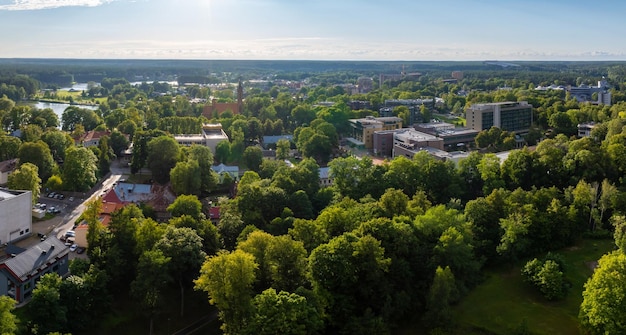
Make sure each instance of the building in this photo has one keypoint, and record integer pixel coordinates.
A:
(222, 169)
(359, 105)
(92, 138)
(217, 108)
(458, 75)
(211, 135)
(6, 168)
(365, 84)
(19, 275)
(453, 137)
(326, 179)
(16, 215)
(584, 93)
(414, 106)
(270, 141)
(363, 129)
(509, 116)
(584, 129)
(408, 141)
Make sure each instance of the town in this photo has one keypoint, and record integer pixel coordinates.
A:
(347, 197)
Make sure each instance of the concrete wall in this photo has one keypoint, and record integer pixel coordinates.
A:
(17, 217)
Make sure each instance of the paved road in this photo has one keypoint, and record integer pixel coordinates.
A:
(69, 220)
(70, 210)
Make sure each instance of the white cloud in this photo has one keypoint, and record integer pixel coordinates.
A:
(49, 4)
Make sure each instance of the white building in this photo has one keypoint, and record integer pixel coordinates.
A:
(16, 220)
(212, 134)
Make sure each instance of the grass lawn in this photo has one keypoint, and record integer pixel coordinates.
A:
(503, 301)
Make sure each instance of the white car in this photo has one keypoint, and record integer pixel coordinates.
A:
(70, 233)
(73, 247)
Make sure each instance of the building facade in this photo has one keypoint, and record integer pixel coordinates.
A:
(509, 116)
(16, 215)
(363, 129)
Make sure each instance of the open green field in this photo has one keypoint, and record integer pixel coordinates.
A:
(503, 302)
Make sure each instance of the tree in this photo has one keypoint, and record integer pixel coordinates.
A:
(283, 146)
(119, 142)
(26, 177)
(222, 152)
(152, 277)
(603, 308)
(186, 178)
(282, 313)
(8, 320)
(105, 156)
(204, 157)
(9, 147)
(547, 277)
(163, 154)
(79, 169)
(441, 294)
(184, 247)
(186, 205)
(228, 278)
(58, 142)
(45, 308)
(253, 157)
(39, 154)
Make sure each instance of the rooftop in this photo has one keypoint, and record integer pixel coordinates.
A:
(37, 257)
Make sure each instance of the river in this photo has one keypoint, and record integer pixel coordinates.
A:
(58, 107)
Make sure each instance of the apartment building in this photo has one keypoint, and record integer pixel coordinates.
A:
(510, 116)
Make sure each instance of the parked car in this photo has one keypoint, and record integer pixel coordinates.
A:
(73, 247)
(70, 233)
(51, 194)
(61, 196)
(71, 199)
(51, 210)
(80, 250)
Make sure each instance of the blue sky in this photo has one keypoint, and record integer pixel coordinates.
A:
(314, 29)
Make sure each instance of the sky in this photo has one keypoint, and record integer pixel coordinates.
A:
(401, 30)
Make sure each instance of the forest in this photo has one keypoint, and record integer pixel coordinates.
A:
(390, 248)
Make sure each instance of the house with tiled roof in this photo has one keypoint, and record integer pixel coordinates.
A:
(19, 275)
(91, 138)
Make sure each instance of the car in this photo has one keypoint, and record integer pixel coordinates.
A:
(61, 196)
(73, 247)
(80, 250)
(51, 210)
(43, 206)
(70, 233)
(51, 195)
(56, 211)
(71, 199)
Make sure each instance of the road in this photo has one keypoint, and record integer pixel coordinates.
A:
(69, 219)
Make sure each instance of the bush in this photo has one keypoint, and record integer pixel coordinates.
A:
(547, 276)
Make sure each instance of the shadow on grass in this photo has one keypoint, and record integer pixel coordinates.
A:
(126, 317)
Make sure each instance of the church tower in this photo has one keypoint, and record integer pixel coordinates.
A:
(240, 96)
